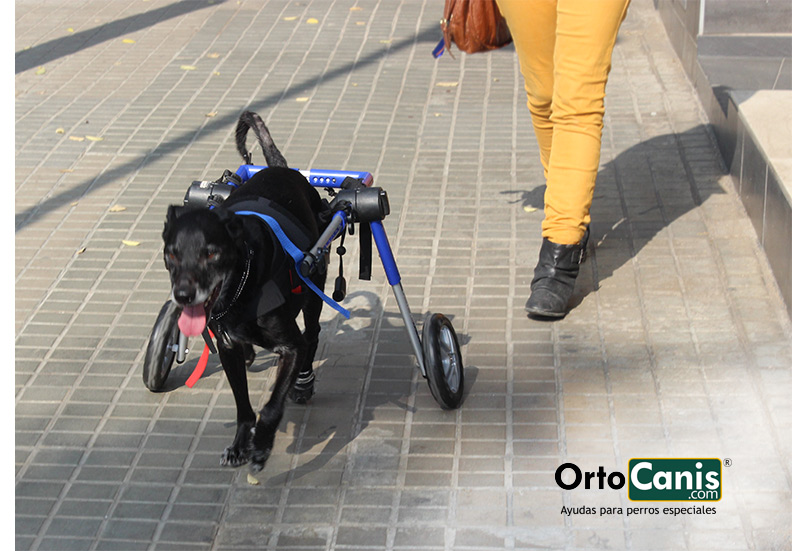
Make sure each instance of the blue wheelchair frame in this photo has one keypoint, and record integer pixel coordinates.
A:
(436, 349)
(333, 179)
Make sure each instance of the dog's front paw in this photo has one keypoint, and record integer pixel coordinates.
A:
(258, 459)
(260, 449)
(237, 453)
(234, 457)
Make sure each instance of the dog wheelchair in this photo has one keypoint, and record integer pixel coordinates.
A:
(354, 201)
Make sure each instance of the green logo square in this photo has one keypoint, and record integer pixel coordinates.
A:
(674, 480)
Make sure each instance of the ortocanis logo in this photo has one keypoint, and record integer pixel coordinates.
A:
(652, 479)
(674, 480)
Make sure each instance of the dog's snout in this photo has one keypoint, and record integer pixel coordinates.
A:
(184, 294)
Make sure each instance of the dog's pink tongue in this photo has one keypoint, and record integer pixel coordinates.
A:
(192, 320)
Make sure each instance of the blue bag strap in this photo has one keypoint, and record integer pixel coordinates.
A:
(297, 255)
(439, 49)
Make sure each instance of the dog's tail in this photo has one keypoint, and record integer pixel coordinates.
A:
(248, 120)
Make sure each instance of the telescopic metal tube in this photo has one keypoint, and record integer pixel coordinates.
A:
(394, 278)
(181, 352)
(409, 325)
(336, 226)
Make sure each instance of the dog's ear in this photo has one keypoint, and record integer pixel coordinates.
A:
(174, 212)
(233, 225)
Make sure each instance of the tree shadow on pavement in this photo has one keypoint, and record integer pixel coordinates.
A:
(42, 54)
(361, 394)
(353, 388)
(216, 124)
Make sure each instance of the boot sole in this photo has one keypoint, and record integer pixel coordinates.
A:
(545, 314)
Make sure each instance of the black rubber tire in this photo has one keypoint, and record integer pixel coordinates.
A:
(160, 350)
(443, 360)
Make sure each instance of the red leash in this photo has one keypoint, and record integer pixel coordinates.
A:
(201, 365)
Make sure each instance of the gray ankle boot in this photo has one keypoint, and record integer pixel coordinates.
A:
(554, 278)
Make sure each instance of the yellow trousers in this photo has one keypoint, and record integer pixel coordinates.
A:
(564, 48)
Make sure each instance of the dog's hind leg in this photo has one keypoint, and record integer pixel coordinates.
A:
(303, 388)
(233, 360)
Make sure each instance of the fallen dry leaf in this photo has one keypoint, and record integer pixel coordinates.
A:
(355, 8)
(312, 21)
(69, 30)
(529, 209)
(253, 481)
(213, 55)
(76, 138)
(41, 70)
(447, 84)
(188, 67)
(130, 243)
(59, 131)
(80, 251)
(128, 41)
(117, 208)
(290, 18)
(301, 100)
(94, 138)
(212, 114)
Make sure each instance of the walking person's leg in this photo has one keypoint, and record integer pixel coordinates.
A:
(532, 25)
(569, 133)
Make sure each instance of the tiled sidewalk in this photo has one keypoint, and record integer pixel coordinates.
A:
(679, 346)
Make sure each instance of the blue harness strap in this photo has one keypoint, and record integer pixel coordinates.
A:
(297, 255)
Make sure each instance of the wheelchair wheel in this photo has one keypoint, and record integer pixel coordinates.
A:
(161, 350)
(443, 360)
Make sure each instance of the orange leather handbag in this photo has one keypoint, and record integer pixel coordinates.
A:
(473, 25)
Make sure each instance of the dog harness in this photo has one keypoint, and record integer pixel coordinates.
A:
(292, 239)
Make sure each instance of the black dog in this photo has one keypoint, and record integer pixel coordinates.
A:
(229, 272)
